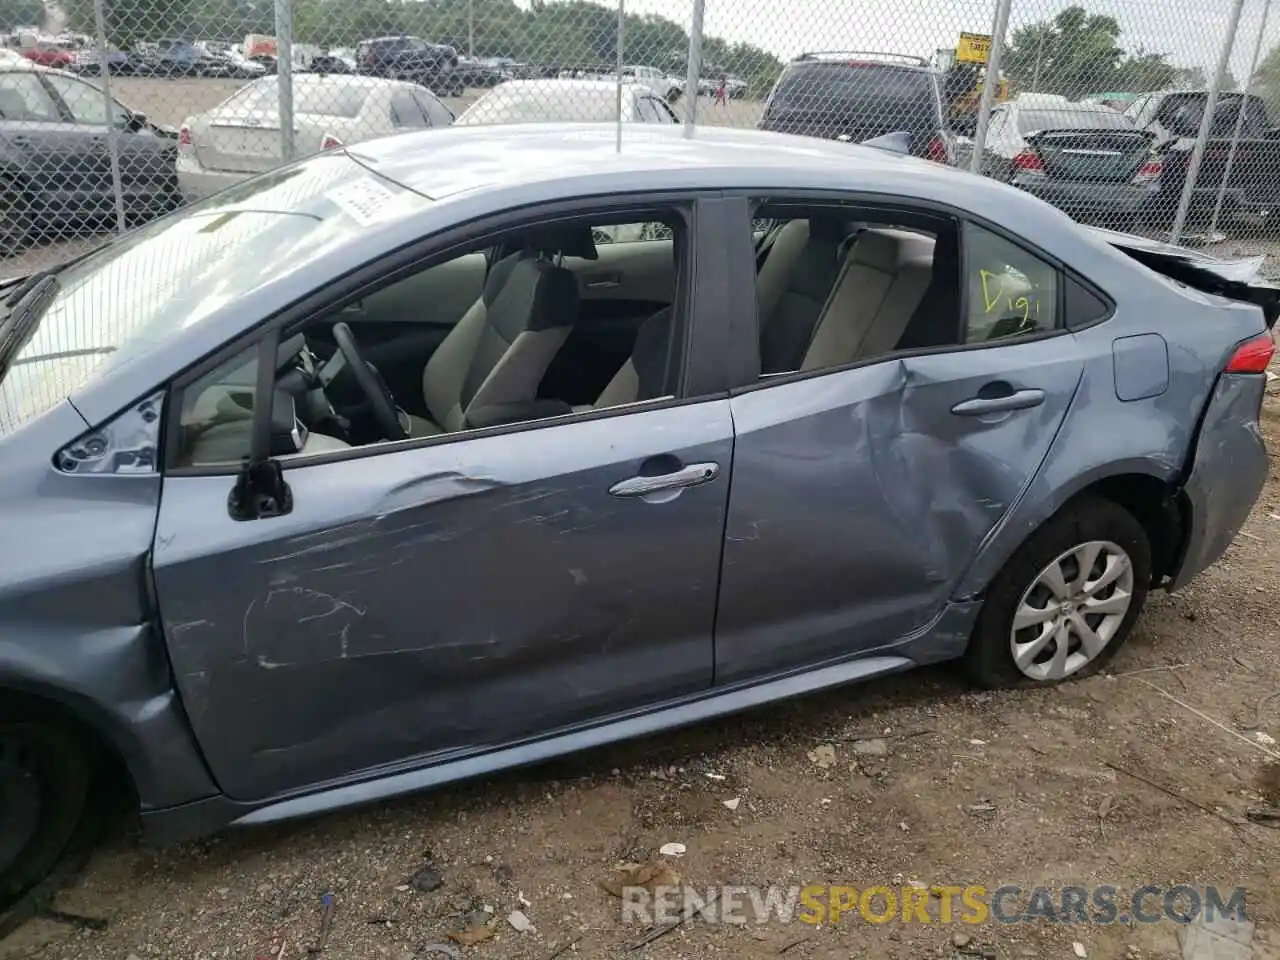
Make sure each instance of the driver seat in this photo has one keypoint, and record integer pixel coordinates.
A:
(501, 348)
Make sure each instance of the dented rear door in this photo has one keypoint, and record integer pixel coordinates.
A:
(423, 604)
(860, 496)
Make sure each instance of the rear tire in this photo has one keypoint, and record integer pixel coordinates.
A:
(45, 774)
(1071, 621)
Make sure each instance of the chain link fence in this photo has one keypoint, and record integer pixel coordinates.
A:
(1161, 119)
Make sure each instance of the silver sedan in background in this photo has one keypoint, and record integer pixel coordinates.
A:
(241, 136)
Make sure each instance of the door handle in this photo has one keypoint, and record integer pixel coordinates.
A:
(690, 476)
(21, 142)
(981, 406)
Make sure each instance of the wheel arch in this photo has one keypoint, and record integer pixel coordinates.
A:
(147, 742)
(90, 725)
(1148, 489)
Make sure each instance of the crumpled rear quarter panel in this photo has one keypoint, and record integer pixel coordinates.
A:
(1229, 471)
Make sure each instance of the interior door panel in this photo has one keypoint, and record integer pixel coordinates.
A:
(627, 284)
(639, 271)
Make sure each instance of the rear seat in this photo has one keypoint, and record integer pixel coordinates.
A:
(795, 281)
(880, 285)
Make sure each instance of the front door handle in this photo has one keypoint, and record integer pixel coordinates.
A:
(982, 406)
(690, 476)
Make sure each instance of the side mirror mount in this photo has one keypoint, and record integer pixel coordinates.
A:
(136, 122)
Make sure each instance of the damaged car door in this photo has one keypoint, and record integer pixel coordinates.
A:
(868, 473)
(425, 602)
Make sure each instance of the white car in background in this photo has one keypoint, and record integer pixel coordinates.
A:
(241, 136)
(567, 101)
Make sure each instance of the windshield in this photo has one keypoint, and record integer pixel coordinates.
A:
(1072, 119)
(156, 282)
(321, 98)
(815, 85)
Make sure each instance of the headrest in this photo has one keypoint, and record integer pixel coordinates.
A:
(877, 249)
(831, 229)
(568, 240)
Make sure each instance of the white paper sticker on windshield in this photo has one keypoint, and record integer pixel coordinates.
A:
(365, 200)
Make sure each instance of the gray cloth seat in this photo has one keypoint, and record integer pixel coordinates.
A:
(881, 283)
(644, 375)
(794, 282)
(501, 348)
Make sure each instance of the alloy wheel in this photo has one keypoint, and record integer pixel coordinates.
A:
(1074, 607)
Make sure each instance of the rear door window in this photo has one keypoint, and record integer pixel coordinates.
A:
(645, 110)
(1010, 291)
(405, 111)
(437, 113)
(24, 98)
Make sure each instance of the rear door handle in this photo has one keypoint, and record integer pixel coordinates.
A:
(690, 476)
(981, 406)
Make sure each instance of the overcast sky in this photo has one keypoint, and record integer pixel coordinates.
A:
(1190, 31)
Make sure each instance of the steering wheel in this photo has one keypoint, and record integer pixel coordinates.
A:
(371, 383)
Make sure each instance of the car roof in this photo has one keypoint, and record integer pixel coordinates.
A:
(477, 158)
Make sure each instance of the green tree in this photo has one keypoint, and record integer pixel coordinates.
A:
(1266, 82)
(574, 33)
(1078, 53)
(21, 13)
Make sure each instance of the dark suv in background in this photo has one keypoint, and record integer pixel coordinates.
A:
(434, 65)
(858, 95)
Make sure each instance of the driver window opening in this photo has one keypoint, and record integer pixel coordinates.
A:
(543, 322)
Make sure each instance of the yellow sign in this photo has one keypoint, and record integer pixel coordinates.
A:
(973, 48)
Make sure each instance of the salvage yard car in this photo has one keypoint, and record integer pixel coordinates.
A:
(55, 159)
(383, 469)
(241, 136)
(1084, 158)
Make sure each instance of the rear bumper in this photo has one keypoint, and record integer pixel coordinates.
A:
(1228, 474)
(195, 182)
(1089, 197)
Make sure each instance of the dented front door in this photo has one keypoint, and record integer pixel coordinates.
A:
(421, 604)
(860, 497)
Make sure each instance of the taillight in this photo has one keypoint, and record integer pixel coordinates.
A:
(1252, 356)
(937, 151)
(184, 136)
(1027, 161)
(1149, 171)
(329, 142)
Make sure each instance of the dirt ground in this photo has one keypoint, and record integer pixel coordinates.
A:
(972, 788)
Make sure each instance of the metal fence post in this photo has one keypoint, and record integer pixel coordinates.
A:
(109, 109)
(1240, 115)
(990, 81)
(618, 44)
(1206, 123)
(284, 76)
(695, 67)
